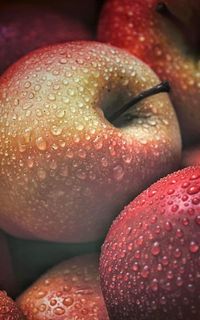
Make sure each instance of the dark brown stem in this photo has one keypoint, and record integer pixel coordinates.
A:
(162, 87)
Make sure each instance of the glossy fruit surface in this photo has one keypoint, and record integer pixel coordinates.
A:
(165, 35)
(66, 171)
(70, 290)
(8, 308)
(27, 27)
(150, 260)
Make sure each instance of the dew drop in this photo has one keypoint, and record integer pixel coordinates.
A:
(68, 301)
(59, 311)
(193, 190)
(41, 144)
(155, 250)
(193, 247)
(118, 173)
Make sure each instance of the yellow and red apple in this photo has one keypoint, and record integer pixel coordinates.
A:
(65, 169)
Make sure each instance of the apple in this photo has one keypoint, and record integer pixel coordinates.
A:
(191, 156)
(8, 280)
(40, 256)
(27, 27)
(67, 167)
(71, 290)
(165, 35)
(149, 265)
(8, 308)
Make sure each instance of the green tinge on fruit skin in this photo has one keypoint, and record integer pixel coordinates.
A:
(62, 162)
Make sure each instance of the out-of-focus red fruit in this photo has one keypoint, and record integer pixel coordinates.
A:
(27, 27)
(150, 259)
(70, 290)
(164, 34)
(191, 156)
(8, 308)
(7, 276)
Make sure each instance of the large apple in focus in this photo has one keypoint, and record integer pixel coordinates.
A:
(65, 169)
(7, 274)
(150, 260)
(164, 34)
(27, 27)
(71, 290)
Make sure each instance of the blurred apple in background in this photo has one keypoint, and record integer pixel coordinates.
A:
(164, 34)
(150, 260)
(66, 169)
(70, 290)
(7, 273)
(8, 308)
(32, 258)
(25, 27)
(191, 156)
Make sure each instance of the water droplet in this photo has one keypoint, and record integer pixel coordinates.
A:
(56, 131)
(41, 143)
(118, 173)
(193, 190)
(193, 247)
(68, 301)
(59, 311)
(145, 272)
(197, 220)
(155, 250)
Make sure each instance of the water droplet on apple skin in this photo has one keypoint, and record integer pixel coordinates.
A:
(59, 140)
(174, 264)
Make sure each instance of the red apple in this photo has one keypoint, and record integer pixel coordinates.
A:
(70, 290)
(66, 167)
(8, 308)
(7, 275)
(150, 260)
(165, 35)
(27, 27)
(191, 156)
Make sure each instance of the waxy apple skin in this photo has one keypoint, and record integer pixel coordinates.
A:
(170, 47)
(70, 290)
(149, 265)
(27, 27)
(8, 308)
(66, 171)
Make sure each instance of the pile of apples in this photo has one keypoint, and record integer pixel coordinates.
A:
(100, 160)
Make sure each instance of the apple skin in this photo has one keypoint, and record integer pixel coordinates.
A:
(27, 27)
(8, 308)
(191, 156)
(71, 290)
(8, 280)
(149, 265)
(157, 40)
(62, 162)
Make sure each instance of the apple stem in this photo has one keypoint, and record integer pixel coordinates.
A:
(161, 87)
